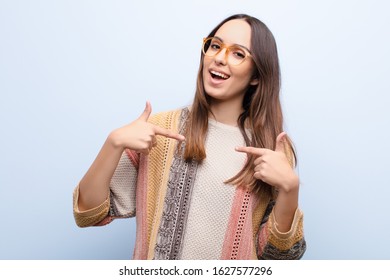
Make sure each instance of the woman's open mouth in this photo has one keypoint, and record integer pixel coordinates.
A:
(218, 75)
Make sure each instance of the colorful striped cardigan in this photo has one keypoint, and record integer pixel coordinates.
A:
(159, 193)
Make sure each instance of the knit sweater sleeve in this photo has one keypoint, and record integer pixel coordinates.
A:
(273, 244)
(121, 200)
(89, 217)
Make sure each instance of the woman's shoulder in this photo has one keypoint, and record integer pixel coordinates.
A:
(166, 118)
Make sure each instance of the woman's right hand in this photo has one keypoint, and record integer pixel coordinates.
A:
(140, 135)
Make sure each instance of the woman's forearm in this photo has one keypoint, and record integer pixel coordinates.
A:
(94, 186)
(284, 210)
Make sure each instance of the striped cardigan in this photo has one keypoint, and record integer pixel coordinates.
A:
(159, 192)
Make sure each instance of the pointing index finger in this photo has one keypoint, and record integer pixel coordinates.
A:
(168, 133)
(251, 150)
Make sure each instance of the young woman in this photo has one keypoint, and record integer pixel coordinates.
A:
(211, 181)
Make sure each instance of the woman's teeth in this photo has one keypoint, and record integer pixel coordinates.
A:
(219, 75)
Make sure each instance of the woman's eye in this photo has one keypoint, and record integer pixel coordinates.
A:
(239, 54)
(215, 46)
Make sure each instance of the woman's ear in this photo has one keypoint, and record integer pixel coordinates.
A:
(254, 81)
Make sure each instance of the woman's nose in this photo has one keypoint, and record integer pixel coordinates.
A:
(221, 57)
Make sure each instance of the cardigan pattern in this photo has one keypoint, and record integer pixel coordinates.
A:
(176, 203)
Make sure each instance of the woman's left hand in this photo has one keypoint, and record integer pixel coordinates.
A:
(273, 167)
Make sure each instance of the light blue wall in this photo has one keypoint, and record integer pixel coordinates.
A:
(71, 71)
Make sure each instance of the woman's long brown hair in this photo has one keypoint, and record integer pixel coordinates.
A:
(262, 110)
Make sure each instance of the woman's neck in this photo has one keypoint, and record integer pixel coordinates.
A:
(226, 112)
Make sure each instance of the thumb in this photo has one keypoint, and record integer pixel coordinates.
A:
(280, 140)
(146, 113)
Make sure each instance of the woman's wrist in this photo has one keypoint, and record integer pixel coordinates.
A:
(114, 140)
(289, 185)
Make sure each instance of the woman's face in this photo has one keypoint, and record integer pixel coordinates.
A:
(223, 81)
